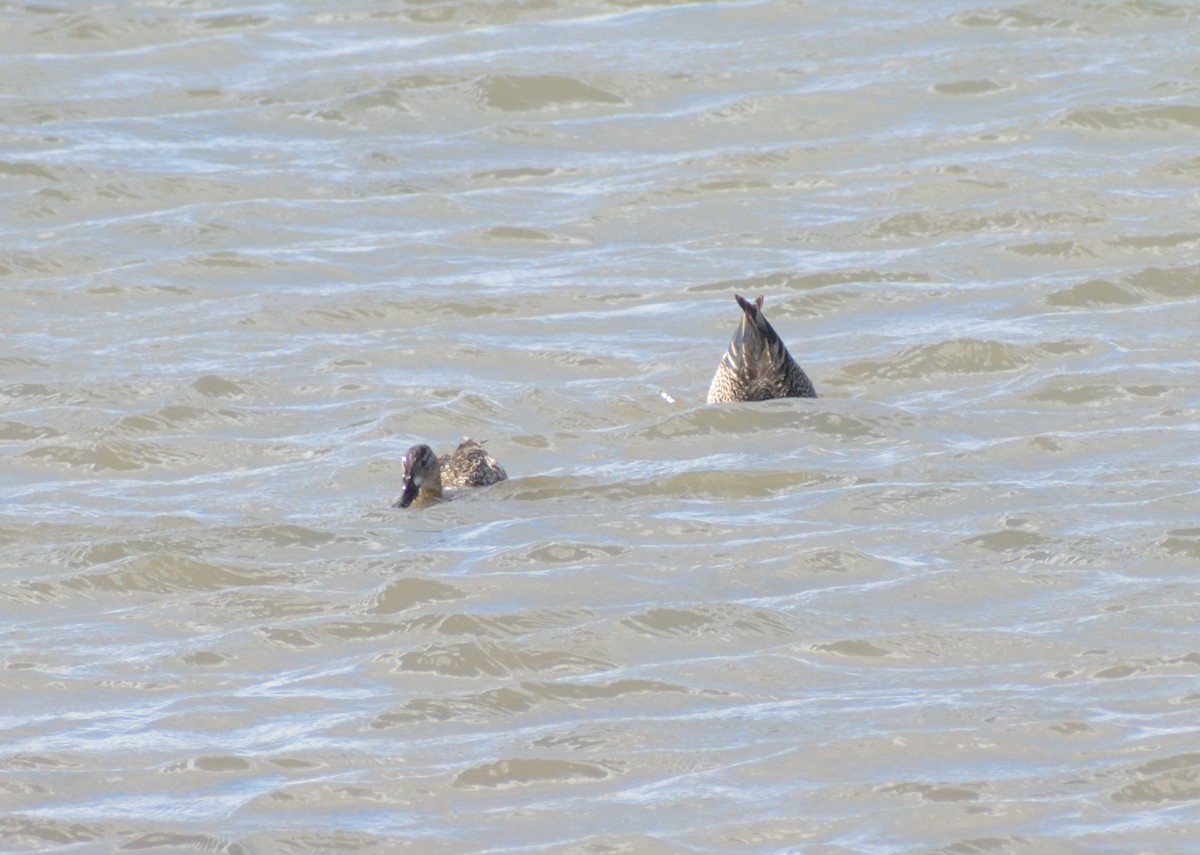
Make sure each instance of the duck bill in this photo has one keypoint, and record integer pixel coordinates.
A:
(410, 493)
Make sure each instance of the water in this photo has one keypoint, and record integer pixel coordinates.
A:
(252, 252)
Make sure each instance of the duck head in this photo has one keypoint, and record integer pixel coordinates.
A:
(422, 477)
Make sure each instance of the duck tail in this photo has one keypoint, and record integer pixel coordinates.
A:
(756, 344)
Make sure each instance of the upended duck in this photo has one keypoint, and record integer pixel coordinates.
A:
(425, 474)
(757, 366)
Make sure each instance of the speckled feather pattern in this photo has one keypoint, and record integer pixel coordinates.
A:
(757, 366)
(470, 466)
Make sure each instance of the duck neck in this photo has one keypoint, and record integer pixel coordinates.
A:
(431, 490)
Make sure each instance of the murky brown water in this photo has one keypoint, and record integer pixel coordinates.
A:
(252, 252)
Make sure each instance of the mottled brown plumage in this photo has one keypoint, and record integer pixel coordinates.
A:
(425, 474)
(757, 366)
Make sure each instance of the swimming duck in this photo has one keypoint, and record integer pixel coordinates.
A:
(757, 365)
(425, 473)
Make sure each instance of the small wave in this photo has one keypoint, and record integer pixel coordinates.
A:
(494, 659)
(721, 620)
(1146, 118)
(517, 93)
(530, 771)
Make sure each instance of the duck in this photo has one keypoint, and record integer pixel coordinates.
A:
(425, 474)
(757, 366)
